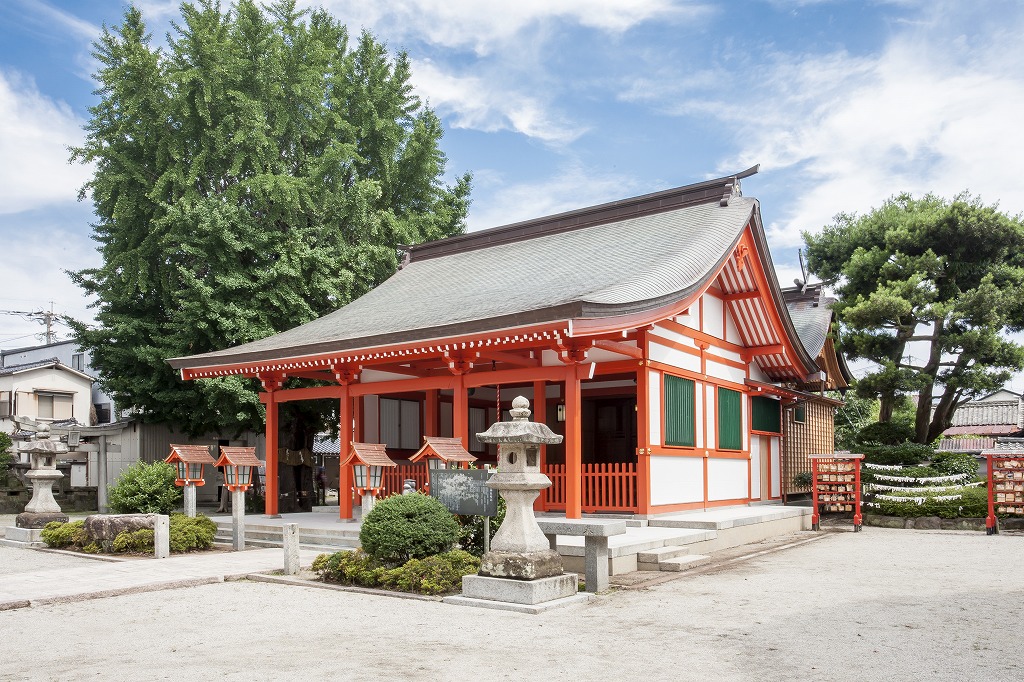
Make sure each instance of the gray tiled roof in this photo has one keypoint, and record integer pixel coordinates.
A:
(624, 266)
(13, 369)
(812, 324)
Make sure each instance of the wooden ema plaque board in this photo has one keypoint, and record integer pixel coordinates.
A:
(1005, 486)
(835, 486)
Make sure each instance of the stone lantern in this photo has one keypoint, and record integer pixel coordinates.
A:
(521, 567)
(42, 508)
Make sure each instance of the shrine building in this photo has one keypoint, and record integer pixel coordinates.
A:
(651, 332)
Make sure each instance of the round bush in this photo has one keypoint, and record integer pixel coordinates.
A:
(145, 489)
(949, 463)
(403, 527)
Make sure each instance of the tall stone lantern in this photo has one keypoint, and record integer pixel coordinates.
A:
(42, 508)
(521, 567)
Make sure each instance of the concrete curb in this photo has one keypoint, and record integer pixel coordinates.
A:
(103, 594)
(299, 582)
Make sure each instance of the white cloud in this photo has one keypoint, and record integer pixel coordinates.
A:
(47, 14)
(486, 26)
(484, 104)
(34, 134)
(570, 188)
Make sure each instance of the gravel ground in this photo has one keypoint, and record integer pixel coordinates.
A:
(878, 605)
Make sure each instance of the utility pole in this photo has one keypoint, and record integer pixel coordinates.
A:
(43, 317)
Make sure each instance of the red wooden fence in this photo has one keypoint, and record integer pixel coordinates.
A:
(606, 487)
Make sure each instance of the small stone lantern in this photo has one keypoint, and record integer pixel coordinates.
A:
(239, 464)
(368, 461)
(189, 461)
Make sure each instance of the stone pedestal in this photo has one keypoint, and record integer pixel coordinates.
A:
(238, 519)
(190, 500)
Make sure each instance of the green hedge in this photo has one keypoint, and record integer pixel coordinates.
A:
(186, 535)
(438, 574)
(972, 504)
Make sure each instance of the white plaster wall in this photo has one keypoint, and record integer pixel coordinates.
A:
(756, 374)
(727, 372)
(654, 406)
(776, 488)
(755, 468)
(712, 310)
(732, 334)
(371, 420)
(710, 428)
(675, 358)
(727, 479)
(674, 336)
(689, 318)
(675, 480)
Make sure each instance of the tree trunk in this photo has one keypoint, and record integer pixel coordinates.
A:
(943, 416)
(886, 404)
(923, 418)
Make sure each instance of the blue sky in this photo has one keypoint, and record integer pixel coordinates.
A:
(557, 104)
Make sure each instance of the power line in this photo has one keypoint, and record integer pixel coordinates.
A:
(46, 318)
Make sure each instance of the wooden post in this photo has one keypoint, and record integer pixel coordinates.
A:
(540, 404)
(270, 489)
(430, 412)
(357, 417)
(573, 446)
(460, 412)
(643, 436)
(344, 443)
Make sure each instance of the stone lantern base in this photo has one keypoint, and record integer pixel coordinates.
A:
(524, 596)
(521, 565)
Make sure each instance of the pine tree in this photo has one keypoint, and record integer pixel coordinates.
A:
(258, 172)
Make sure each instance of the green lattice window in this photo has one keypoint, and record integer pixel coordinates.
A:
(680, 420)
(766, 415)
(730, 419)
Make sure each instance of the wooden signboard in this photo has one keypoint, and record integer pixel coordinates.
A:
(1005, 485)
(836, 486)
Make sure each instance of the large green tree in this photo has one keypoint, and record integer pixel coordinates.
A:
(254, 174)
(928, 288)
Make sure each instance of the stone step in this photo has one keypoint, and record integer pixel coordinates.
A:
(725, 518)
(659, 554)
(684, 563)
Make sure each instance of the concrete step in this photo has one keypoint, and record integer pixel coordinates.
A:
(727, 517)
(658, 554)
(684, 563)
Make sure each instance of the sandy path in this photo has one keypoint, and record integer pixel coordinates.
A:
(878, 605)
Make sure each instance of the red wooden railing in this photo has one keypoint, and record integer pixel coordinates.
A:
(394, 478)
(606, 487)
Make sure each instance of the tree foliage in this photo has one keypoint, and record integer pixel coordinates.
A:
(928, 287)
(256, 173)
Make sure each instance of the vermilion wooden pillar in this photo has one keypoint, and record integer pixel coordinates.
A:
(270, 489)
(430, 412)
(643, 431)
(344, 443)
(540, 403)
(460, 412)
(573, 446)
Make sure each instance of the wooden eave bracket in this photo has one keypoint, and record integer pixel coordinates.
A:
(271, 382)
(460, 363)
(346, 374)
(572, 353)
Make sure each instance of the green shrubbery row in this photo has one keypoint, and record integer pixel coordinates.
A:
(437, 574)
(187, 534)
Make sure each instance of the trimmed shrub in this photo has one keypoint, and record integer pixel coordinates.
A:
(471, 532)
(804, 479)
(949, 463)
(886, 433)
(188, 534)
(437, 574)
(134, 541)
(145, 489)
(57, 534)
(403, 527)
(908, 454)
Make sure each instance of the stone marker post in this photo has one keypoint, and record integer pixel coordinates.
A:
(190, 499)
(162, 536)
(238, 518)
(290, 535)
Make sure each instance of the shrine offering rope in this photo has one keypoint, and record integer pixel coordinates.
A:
(882, 467)
(917, 500)
(922, 479)
(928, 489)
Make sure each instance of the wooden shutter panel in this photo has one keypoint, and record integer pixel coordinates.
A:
(730, 420)
(679, 411)
(766, 415)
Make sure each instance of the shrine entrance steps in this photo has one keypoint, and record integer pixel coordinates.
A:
(684, 540)
(661, 542)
